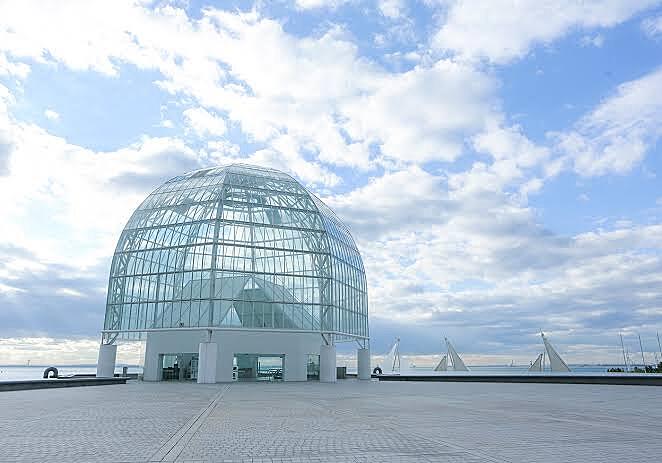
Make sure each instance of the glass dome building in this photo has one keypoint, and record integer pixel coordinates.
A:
(241, 263)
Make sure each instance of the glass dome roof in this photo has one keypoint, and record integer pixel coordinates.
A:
(235, 247)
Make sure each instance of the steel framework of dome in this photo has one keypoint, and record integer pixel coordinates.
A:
(236, 248)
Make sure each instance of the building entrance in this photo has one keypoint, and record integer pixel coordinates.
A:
(179, 367)
(259, 367)
(313, 367)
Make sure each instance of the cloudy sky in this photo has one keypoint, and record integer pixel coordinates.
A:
(499, 161)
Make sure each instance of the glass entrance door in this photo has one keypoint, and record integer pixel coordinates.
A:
(179, 367)
(259, 367)
(313, 367)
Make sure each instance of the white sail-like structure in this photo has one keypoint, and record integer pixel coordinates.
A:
(456, 361)
(392, 360)
(443, 364)
(556, 363)
(537, 364)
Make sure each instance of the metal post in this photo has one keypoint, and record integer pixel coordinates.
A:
(641, 347)
(625, 360)
(397, 355)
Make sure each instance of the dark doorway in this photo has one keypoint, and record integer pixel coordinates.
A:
(179, 367)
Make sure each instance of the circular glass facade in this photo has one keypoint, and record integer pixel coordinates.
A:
(236, 247)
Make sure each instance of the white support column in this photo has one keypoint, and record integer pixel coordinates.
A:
(328, 364)
(207, 356)
(152, 369)
(363, 363)
(225, 362)
(295, 367)
(106, 361)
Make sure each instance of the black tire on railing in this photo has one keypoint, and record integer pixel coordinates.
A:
(377, 371)
(50, 370)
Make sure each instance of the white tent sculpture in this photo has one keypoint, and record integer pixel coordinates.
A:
(556, 363)
(537, 364)
(456, 361)
(392, 360)
(443, 364)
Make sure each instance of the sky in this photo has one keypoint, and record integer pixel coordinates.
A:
(498, 161)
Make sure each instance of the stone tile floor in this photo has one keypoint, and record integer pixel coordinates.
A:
(346, 422)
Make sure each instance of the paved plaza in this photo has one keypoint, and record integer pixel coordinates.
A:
(349, 421)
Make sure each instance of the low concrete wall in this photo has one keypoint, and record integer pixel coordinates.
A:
(92, 375)
(622, 380)
(52, 383)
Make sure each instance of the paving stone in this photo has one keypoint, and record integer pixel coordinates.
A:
(349, 421)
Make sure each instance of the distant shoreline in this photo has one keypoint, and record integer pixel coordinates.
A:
(422, 367)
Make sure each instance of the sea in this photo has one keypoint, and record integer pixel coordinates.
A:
(583, 369)
(519, 369)
(21, 373)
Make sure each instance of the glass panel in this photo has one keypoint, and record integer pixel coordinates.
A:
(236, 246)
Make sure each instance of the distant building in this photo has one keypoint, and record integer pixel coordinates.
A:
(236, 271)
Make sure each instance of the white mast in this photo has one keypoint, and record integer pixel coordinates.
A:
(392, 360)
(641, 348)
(443, 364)
(556, 363)
(659, 345)
(625, 360)
(537, 364)
(458, 364)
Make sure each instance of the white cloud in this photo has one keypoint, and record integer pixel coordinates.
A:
(441, 253)
(280, 84)
(652, 26)
(616, 135)
(596, 40)
(391, 8)
(69, 292)
(51, 115)
(7, 289)
(291, 86)
(450, 248)
(16, 69)
(60, 351)
(204, 123)
(503, 30)
(316, 4)
(393, 202)
(284, 156)
(6, 99)
(423, 114)
(14, 266)
(270, 83)
(223, 148)
(83, 197)
(319, 97)
(24, 31)
(510, 143)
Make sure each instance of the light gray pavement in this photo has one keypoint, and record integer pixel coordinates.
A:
(349, 422)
